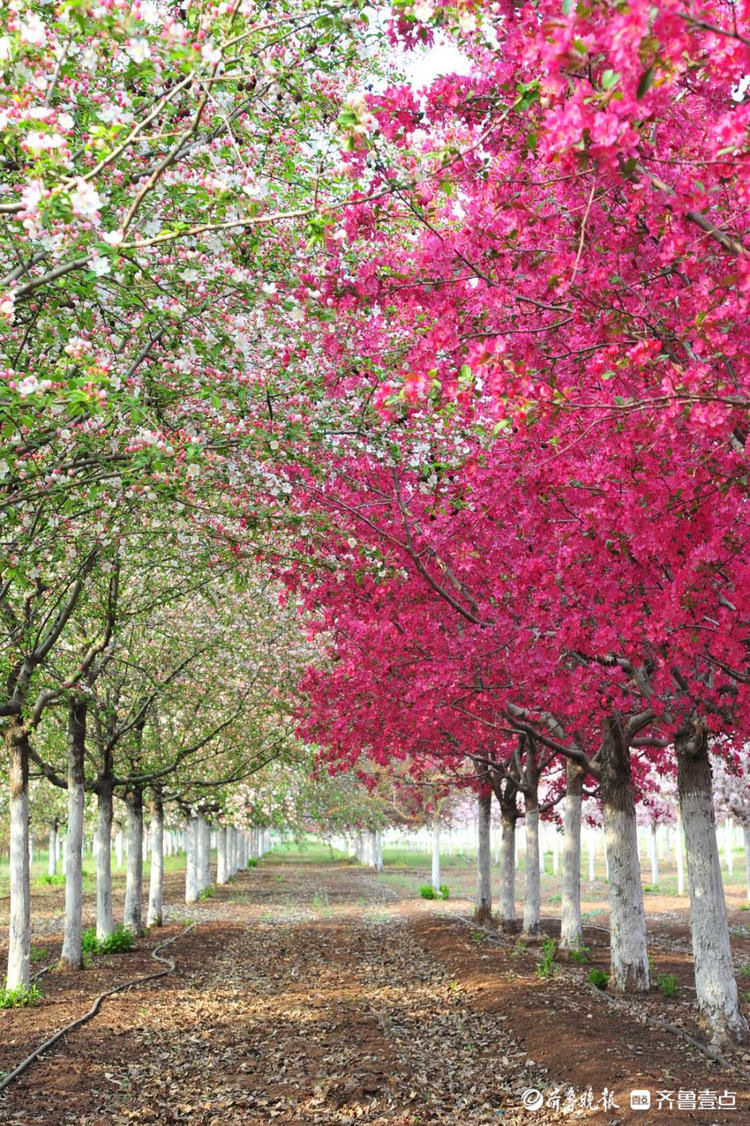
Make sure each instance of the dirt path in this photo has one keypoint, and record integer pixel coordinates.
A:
(321, 995)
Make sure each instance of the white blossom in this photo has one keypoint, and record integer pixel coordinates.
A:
(424, 10)
(7, 306)
(85, 200)
(100, 266)
(139, 50)
(32, 195)
(210, 54)
(43, 142)
(32, 30)
(30, 385)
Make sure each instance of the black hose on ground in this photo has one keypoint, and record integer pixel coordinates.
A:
(170, 968)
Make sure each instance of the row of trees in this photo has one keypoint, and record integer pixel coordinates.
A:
(538, 556)
(468, 370)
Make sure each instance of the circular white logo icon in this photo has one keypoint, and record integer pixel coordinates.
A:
(532, 1098)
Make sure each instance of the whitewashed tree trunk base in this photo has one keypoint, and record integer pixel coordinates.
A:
(191, 869)
(436, 858)
(715, 983)
(483, 900)
(133, 917)
(507, 898)
(571, 925)
(629, 950)
(532, 900)
(105, 922)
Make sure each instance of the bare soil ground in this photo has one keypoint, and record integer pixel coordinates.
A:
(324, 994)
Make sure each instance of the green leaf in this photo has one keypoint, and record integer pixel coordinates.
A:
(646, 82)
(610, 78)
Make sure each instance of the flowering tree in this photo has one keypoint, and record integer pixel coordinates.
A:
(566, 298)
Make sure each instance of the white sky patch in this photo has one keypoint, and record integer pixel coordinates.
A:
(422, 67)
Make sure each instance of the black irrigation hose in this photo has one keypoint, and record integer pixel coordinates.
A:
(170, 968)
(667, 1026)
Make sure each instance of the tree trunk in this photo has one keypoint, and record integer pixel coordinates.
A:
(679, 857)
(156, 880)
(571, 926)
(483, 899)
(222, 869)
(729, 845)
(52, 854)
(436, 858)
(370, 858)
(72, 954)
(105, 922)
(191, 869)
(533, 895)
(592, 855)
(204, 854)
(628, 938)
(507, 901)
(715, 984)
(653, 855)
(19, 926)
(379, 850)
(133, 918)
(746, 838)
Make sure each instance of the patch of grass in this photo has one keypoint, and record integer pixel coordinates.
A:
(744, 906)
(546, 966)
(320, 900)
(396, 880)
(119, 942)
(38, 954)
(22, 995)
(252, 862)
(427, 891)
(208, 893)
(743, 971)
(599, 978)
(306, 850)
(581, 955)
(478, 936)
(520, 948)
(667, 985)
(408, 858)
(56, 881)
(555, 899)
